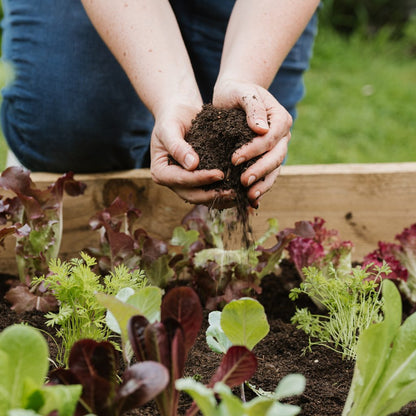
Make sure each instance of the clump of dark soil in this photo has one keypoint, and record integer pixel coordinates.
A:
(215, 135)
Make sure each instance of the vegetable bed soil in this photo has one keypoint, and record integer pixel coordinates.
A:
(328, 377)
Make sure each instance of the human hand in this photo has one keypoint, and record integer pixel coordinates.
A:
(167, 139)
(267, 118)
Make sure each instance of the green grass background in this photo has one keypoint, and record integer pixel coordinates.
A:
(360, 103)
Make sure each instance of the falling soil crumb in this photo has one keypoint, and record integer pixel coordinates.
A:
(215, 135)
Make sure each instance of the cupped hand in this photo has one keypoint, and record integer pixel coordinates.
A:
(167, 139)
(272, 123)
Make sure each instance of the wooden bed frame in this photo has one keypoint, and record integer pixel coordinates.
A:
(364, 202)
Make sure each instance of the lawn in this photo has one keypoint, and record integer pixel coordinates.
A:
(359, 105)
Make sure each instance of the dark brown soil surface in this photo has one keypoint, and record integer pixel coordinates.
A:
(328, 377)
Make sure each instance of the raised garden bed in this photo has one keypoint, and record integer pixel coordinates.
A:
(365, 203)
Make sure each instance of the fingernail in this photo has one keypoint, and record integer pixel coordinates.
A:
(189, 161)
(239, 161)
(256, 194)
(251, 180)
(262, 123)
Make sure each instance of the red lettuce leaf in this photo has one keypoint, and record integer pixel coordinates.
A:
(237, 366)
(93, 365)
(183, 305)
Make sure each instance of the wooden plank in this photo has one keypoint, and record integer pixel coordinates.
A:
(365, 202)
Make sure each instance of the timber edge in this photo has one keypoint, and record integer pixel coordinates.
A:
(366, 203)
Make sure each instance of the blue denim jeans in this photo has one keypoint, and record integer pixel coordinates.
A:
(72, 108)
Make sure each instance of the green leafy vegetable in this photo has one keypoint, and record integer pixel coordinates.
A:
(127, 303)
(23, 368)
(385, 371)
(241, 322)
(231, 405)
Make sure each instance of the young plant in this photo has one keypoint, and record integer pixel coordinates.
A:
(222, 274)
(94, 366)
(207, 398)
(402, 260)
(241, 322)
(237, 366)
(145, 301)
(122, 241)
(169, 340)
(23, 368)
(80, 315)
(196, 252)
(352, 303)
(34, 217)
(324, 250)
(385, 371)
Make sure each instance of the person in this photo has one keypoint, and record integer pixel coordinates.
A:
(105, 85)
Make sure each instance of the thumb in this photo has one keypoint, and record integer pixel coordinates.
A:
(256, 113)
(179, 149)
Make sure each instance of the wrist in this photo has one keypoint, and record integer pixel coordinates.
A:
(175, 94)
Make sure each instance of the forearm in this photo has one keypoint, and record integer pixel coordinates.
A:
(259, 36)
(145, 38)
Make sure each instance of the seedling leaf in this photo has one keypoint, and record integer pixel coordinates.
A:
(244, 322)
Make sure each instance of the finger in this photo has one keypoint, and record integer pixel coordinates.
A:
(266, 164)
(178, 148)
(176, 176)
(280, 125)
(256, 192)
(256, 112)
(211, 198)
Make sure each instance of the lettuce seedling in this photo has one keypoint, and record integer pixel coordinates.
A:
(196, 251)
(23, 368)
(145, 301)
(401, 258)
(34, 217)
(324, 249)
(80, 315)
(94, 365)
(222, 274)
(228, 404)
(352, 303)
(122, 241)
(384, 377)
(241, 322)
(169, 340)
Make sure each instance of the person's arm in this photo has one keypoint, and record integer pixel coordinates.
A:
(259, 36)
(145, 38)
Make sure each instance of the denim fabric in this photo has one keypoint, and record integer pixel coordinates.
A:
(71, 106)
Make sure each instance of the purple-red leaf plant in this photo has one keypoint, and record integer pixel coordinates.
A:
(401, 258)
(196, 252)
(220, 274)
(34, 217)
(169, 341)
(322, 249)
(122, 241)
(94, 365)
